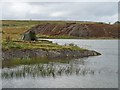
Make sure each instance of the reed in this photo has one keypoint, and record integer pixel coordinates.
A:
(46, 70)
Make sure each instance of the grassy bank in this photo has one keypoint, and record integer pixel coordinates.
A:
(42, 44)
(72, 37)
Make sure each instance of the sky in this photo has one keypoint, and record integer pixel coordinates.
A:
(77, 11)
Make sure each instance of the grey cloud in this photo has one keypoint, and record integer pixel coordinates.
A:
(59, 0)
(92, 11)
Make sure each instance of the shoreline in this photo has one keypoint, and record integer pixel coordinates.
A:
(51, 54)
(71, 37)
(83, 38)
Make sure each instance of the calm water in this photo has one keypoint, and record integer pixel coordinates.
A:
(92, 72)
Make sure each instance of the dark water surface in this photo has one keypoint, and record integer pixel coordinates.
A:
(92, 72)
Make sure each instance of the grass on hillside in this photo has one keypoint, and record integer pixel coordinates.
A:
(15, 29)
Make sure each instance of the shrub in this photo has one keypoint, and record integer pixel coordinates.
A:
(71, 44)
(32, 35)
(8, 39)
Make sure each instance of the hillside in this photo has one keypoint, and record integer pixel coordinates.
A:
(92, 30)
(59, 29)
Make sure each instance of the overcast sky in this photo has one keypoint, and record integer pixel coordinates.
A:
(80, 11)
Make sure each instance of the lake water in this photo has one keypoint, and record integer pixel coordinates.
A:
(92, 72)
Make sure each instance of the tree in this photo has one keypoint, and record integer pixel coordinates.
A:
(117, 22)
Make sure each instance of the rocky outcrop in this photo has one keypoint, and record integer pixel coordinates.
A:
(39, 53)
(78, 30)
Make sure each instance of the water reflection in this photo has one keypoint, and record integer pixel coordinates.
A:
(46, 70)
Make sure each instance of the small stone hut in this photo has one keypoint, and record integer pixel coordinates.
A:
(29, 36)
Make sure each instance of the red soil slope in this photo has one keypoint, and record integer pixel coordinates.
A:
(78, 30)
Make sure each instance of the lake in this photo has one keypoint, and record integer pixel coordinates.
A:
(91, 72)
